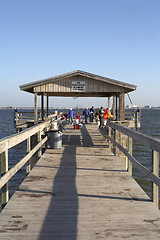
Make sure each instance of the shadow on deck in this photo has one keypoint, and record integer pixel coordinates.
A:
(62, 214)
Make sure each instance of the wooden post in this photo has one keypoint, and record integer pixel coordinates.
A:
(109, 128)
(28, 164)
(109, 107)
(39, 137)
(34, 158)
(137, 119)
(121, 107)
(35, 108)
(42, 106)
(155, 169)
(116, 139)
(127, 161)
(114, 107)
(109, 134)
(4, 169)
(120, 142)
(47, 104)
(130, 142)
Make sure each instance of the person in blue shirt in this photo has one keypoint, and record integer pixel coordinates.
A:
(16, 113)
(86, 114)
(71, 114)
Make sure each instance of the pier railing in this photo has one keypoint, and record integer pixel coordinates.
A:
(36, 138)
(116, 133)
(23, 115)
(26, 119)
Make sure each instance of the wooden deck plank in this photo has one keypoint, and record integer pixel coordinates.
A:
(80, 192)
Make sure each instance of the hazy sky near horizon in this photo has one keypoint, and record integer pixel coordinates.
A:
(119, 39)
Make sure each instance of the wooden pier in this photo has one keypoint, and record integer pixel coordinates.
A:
(80, 192)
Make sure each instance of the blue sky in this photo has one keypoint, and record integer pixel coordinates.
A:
(119, 39)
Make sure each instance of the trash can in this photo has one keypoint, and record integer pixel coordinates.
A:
(55, 137)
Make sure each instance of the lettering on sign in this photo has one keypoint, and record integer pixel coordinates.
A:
(78, 86)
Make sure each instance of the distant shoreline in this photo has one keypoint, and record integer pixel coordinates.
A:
(39, 108)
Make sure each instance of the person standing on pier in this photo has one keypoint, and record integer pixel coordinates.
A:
(16, 113)
(71, 114)
(101, 116)
(86, 114)
(91, 114)
(97, 115)
(105, 116)
(15, 110)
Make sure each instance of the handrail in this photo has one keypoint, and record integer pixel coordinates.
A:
(14, 139)
(138, 165)
(20, 120)
(143, 139)
(5, 178)
(148, 141)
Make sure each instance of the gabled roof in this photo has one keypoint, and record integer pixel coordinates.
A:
(30, 86)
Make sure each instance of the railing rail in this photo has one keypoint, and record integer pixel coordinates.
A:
(27, 115)
(148, 141)
(13, 140)
(5, 178)
(25, 119)
(143, 139)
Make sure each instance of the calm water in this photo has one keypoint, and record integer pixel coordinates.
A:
(150, 125)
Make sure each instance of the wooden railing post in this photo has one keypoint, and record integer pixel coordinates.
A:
(127, 161)
(137, 119)
(39, 138)
(155, 169)
(4, 169)
(120, 142)
(28, 164)
(35, 108)
(109, 134)
(116, 139)
(130, 142)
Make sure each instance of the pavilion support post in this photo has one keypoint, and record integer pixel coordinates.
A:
(109, 101)
(47, 104)
(109, 128)
(114, 108)
(121, 107)
(42, 106)
(35, 108)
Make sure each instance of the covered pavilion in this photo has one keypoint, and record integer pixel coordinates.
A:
(80, 84)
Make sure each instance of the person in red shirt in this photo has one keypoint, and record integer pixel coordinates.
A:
(78, 117)
(105, 116)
